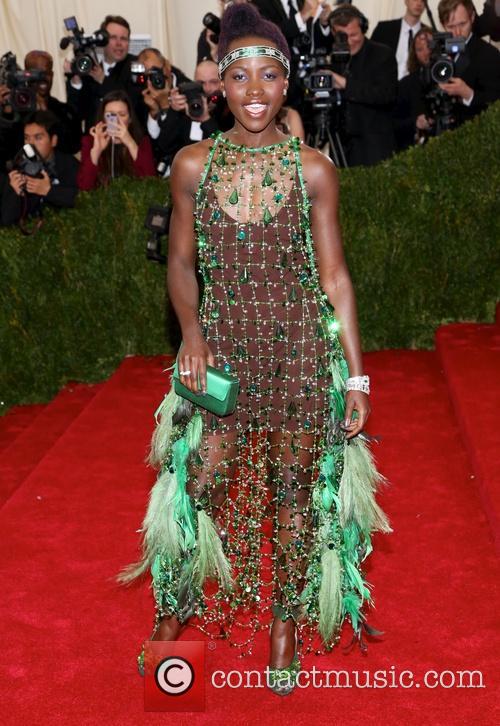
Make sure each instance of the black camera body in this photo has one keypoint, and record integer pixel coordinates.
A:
(27, 161)
(157, 222)
(84, 46)
(194, 95)
(444, 47)
(23, 84)
(315, 73)
(212, 23)
(140, 76)
(440, 106)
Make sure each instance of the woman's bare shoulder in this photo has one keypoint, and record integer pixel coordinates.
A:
(189, 163)
(315, 162)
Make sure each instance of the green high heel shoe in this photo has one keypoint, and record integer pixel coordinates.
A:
(282, 681)
(140, 658)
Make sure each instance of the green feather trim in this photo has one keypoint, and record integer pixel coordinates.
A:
(359, 483)
(194, 430)
(210, 560)
(158, 527)
(330, 594)
(169, 522)
(161, 437)
(351, 605)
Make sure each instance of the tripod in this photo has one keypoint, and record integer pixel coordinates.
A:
(322, 134)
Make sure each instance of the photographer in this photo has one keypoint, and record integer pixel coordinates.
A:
(208, 40)
(116, 145)
(55, 183)
(411, 124)
(369, 90)
(476, 82)
(86, 92)
(195, 111)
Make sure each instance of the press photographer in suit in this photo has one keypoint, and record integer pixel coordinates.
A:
(85, 93)
(23, 195)
(369, 90)
(477, 71)
(399, 34)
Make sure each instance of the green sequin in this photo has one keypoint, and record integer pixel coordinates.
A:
(233, 199)
(267, 216)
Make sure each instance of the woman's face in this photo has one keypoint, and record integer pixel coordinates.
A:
(255, 87)
(120, 109)
(422, 49)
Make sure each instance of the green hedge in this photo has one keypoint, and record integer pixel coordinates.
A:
(421, 234)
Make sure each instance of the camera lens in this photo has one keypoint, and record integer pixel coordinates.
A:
(196, 108)
(83, 64)
(22, 100)
(442, 71)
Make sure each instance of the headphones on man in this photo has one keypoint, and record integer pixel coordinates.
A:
(349, 10)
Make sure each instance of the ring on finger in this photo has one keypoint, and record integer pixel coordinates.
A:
(184, 373)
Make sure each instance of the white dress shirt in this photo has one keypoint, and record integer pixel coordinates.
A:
(402, 49)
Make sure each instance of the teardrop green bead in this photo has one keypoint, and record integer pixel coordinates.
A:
(267, 216)
(233, 199)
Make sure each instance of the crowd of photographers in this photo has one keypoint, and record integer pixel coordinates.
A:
(360, 99)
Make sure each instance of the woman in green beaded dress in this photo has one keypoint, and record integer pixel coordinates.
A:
(267, 513)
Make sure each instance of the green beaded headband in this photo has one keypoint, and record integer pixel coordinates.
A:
(253, 51)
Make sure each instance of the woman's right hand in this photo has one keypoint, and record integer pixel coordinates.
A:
(194, 355)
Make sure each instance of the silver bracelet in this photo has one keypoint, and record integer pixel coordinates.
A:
(358, 383)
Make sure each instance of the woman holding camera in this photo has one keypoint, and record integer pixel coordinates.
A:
(275, 501)
(115, 146)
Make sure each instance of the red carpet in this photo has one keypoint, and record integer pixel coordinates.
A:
(70, 636)
(470, 355)
(33, 441)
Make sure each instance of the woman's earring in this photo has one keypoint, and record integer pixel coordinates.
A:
(224, 94)
(285, 91)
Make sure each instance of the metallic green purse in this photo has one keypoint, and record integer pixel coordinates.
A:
(221, 395)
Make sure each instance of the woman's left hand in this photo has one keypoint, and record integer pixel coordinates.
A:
(359, 402)
(122, 133)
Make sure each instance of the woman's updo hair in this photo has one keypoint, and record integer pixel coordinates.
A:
(244, 20)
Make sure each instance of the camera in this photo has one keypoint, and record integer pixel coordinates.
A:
(157, 221)
(212, 23)
(194, 95)
(23, 84)
(140, 76)
(84, 46)
(443, 48)
(440, 106)
(27, 161)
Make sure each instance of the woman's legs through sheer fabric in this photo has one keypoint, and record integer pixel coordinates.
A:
(291, 458)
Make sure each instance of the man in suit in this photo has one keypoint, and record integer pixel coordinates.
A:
(398, 34)
(86, 93)
(23, 195)
(369, 90)
(477, 71)
(488, 23)
(304, 23)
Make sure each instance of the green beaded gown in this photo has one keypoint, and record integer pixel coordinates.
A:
(267, 511)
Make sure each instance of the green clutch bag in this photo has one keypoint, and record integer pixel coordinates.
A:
(221, 395)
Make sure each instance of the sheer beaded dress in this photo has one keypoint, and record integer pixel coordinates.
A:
(268, 511)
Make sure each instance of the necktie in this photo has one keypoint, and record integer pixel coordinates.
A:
(291, 9)
(410, 38)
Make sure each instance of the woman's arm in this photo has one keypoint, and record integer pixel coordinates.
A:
(88, 171)
(183, 288)
(323, 190)
(144, 164)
